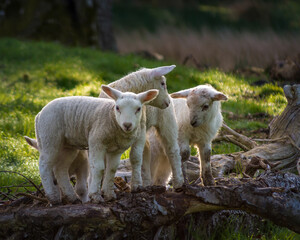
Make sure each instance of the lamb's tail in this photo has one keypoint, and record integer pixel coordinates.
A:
(32, 142)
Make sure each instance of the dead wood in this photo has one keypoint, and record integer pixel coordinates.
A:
(240, 140)
(280, 152)
(274, 196)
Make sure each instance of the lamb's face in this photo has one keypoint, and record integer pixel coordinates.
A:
(128, 106)
(128, 111)
(163, 100)
(200, 102)
(157, 81)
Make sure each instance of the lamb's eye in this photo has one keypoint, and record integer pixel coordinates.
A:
(118, 109)
(205, 107)
(139, 109)
(163, 84)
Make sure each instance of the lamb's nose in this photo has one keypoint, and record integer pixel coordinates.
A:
(127, 125)
(193, 122)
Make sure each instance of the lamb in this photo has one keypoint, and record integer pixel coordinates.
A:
(160, 115)
(164, 120)
(107, 127)
(198, 114)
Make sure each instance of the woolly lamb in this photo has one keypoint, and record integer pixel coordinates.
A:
(163, 120)
(198, 113)
(107, 127)
(159, 115)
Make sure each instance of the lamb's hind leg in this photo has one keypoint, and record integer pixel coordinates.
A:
(61, 172)
(46, 164)
(205, 170)
(81, 171)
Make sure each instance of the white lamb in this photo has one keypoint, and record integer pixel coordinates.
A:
(164, 120)
(160, 115)
(107, 127)
(198, 113)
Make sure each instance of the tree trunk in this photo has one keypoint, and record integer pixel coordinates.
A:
(106, 37)
(274, 196)
(74, 22)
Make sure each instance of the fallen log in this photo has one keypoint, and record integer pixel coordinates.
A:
(273, 195)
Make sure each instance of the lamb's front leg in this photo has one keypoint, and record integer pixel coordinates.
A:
(185, 154)
(169, 140)
(136, 158)
(112, 163)
(205, 170)
(146, 167)
(97, 165)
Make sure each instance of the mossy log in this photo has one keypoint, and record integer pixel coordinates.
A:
(139, 215)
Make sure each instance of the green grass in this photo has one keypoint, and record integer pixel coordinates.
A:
(34, 73)
(235, 229)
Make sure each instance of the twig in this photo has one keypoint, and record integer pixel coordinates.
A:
(239, 138)
(5, 195)
(230, 138)
(33, 197)
(293, 143)
(269, 140)
(27, 180)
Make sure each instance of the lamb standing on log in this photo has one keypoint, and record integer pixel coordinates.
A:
(108, 127)
(198, 113)
(159, 114)
(163, 120)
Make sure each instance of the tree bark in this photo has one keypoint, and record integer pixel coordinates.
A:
(106, 37)
(74, 22)
(281, 150)
(274, 196)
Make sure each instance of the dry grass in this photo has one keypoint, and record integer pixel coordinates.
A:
(224, 49)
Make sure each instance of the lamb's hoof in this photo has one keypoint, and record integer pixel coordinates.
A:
(54, 202)
(209, 181)
(110, 197)
(199, 182)
(146, 183)
(77, 201)
(182, 188)
(137, 189)
(70, 200)
(178, 183)
(96, 198)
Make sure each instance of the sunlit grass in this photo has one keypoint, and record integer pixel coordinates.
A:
(34, 73)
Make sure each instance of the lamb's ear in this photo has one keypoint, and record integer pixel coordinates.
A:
(111, 92)
(148, 96)
(218, 96)
(181, 94)
(160, 71)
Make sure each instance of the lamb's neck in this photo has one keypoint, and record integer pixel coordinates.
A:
(134, 82)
